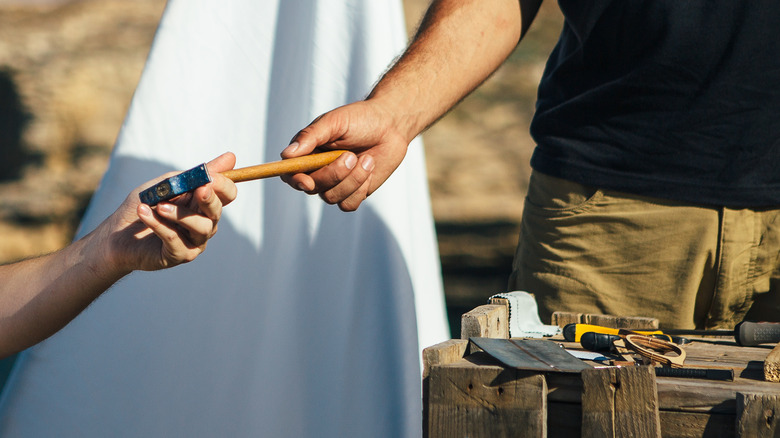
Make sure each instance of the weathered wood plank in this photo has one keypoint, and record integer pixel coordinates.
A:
(565, 421)
(674, 394)
(486, 402)
(634, 322)
(499, 300)
(443, 353)
(562, 319)
(486, 321)
(686, 414)
(620, 402)
(689, 395)
(758, 415)
(725, 354)
(696, 425)
(688, 407)
(440, 354)
(772, 365)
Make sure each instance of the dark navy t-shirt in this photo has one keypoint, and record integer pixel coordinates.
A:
(678, 99)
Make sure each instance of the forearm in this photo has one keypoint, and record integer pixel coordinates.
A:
(39, 296)
(42, 295)
(460, 43)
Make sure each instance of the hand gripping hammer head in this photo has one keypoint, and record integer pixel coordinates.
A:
(198, 176)
(176, 185)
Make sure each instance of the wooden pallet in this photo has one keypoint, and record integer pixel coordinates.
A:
(468, 394)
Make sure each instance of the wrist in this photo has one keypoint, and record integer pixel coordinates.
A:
(402, 113)
(103, 252)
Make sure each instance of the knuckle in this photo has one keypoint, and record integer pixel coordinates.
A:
(352, 203)
(214, 215)
(327, 177)
(305, 131)
(329, 198)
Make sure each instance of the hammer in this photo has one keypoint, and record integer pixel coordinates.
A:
(197, 176)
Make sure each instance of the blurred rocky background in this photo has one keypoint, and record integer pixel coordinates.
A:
(68, 69)
(67, 72)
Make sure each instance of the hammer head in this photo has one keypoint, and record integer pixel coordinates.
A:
(176, 185)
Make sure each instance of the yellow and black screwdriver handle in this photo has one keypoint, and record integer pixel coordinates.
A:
(574, 332)
(598, 338)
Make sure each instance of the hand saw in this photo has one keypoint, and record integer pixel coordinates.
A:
(531, 354)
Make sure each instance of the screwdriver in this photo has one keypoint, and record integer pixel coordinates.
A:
(602, 342)
(573, 332)
(746, 333)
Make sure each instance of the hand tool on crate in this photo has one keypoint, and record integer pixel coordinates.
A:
(602, 342)
(614, 347)
(197, 176)
(671, 357)
(610, 355)
(696, 373)
(746, 333)
(530, 354)
(574, 332)
(655, 350)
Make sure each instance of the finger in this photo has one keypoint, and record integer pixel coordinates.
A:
(324, 178)
(207, 201)
(222, 163)
(224, 188)
(357, 197)
(324, 130)
(197, 229)
(300, 181)
(350, 183)
(328, 177)
(174, 248)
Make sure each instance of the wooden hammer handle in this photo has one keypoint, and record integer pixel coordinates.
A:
(306, 163)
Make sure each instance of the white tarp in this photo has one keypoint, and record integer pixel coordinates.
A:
(299, 320)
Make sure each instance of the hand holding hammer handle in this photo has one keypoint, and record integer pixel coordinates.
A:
(306, 163)
(191, 179)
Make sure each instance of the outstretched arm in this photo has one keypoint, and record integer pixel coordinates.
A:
(41, 295)
(460, 43)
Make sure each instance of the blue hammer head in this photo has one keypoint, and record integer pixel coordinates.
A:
(176, 185)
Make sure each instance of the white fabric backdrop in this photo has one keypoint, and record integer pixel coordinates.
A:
(299, 320)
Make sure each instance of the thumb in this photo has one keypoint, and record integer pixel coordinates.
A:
(323, 131)
(222, 163)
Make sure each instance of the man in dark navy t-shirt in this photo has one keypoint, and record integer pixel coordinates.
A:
(653, 192)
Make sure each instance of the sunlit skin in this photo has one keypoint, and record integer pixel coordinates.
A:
(460, 43)
(41, 295)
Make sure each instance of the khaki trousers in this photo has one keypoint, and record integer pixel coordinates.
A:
(589, 250)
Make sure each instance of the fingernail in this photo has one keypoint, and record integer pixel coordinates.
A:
(350, 161)
(145, 210)
(301, 187)
(368, 163)
(291, 148)
(165, 208)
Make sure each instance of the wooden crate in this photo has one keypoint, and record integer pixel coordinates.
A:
(468, 394)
